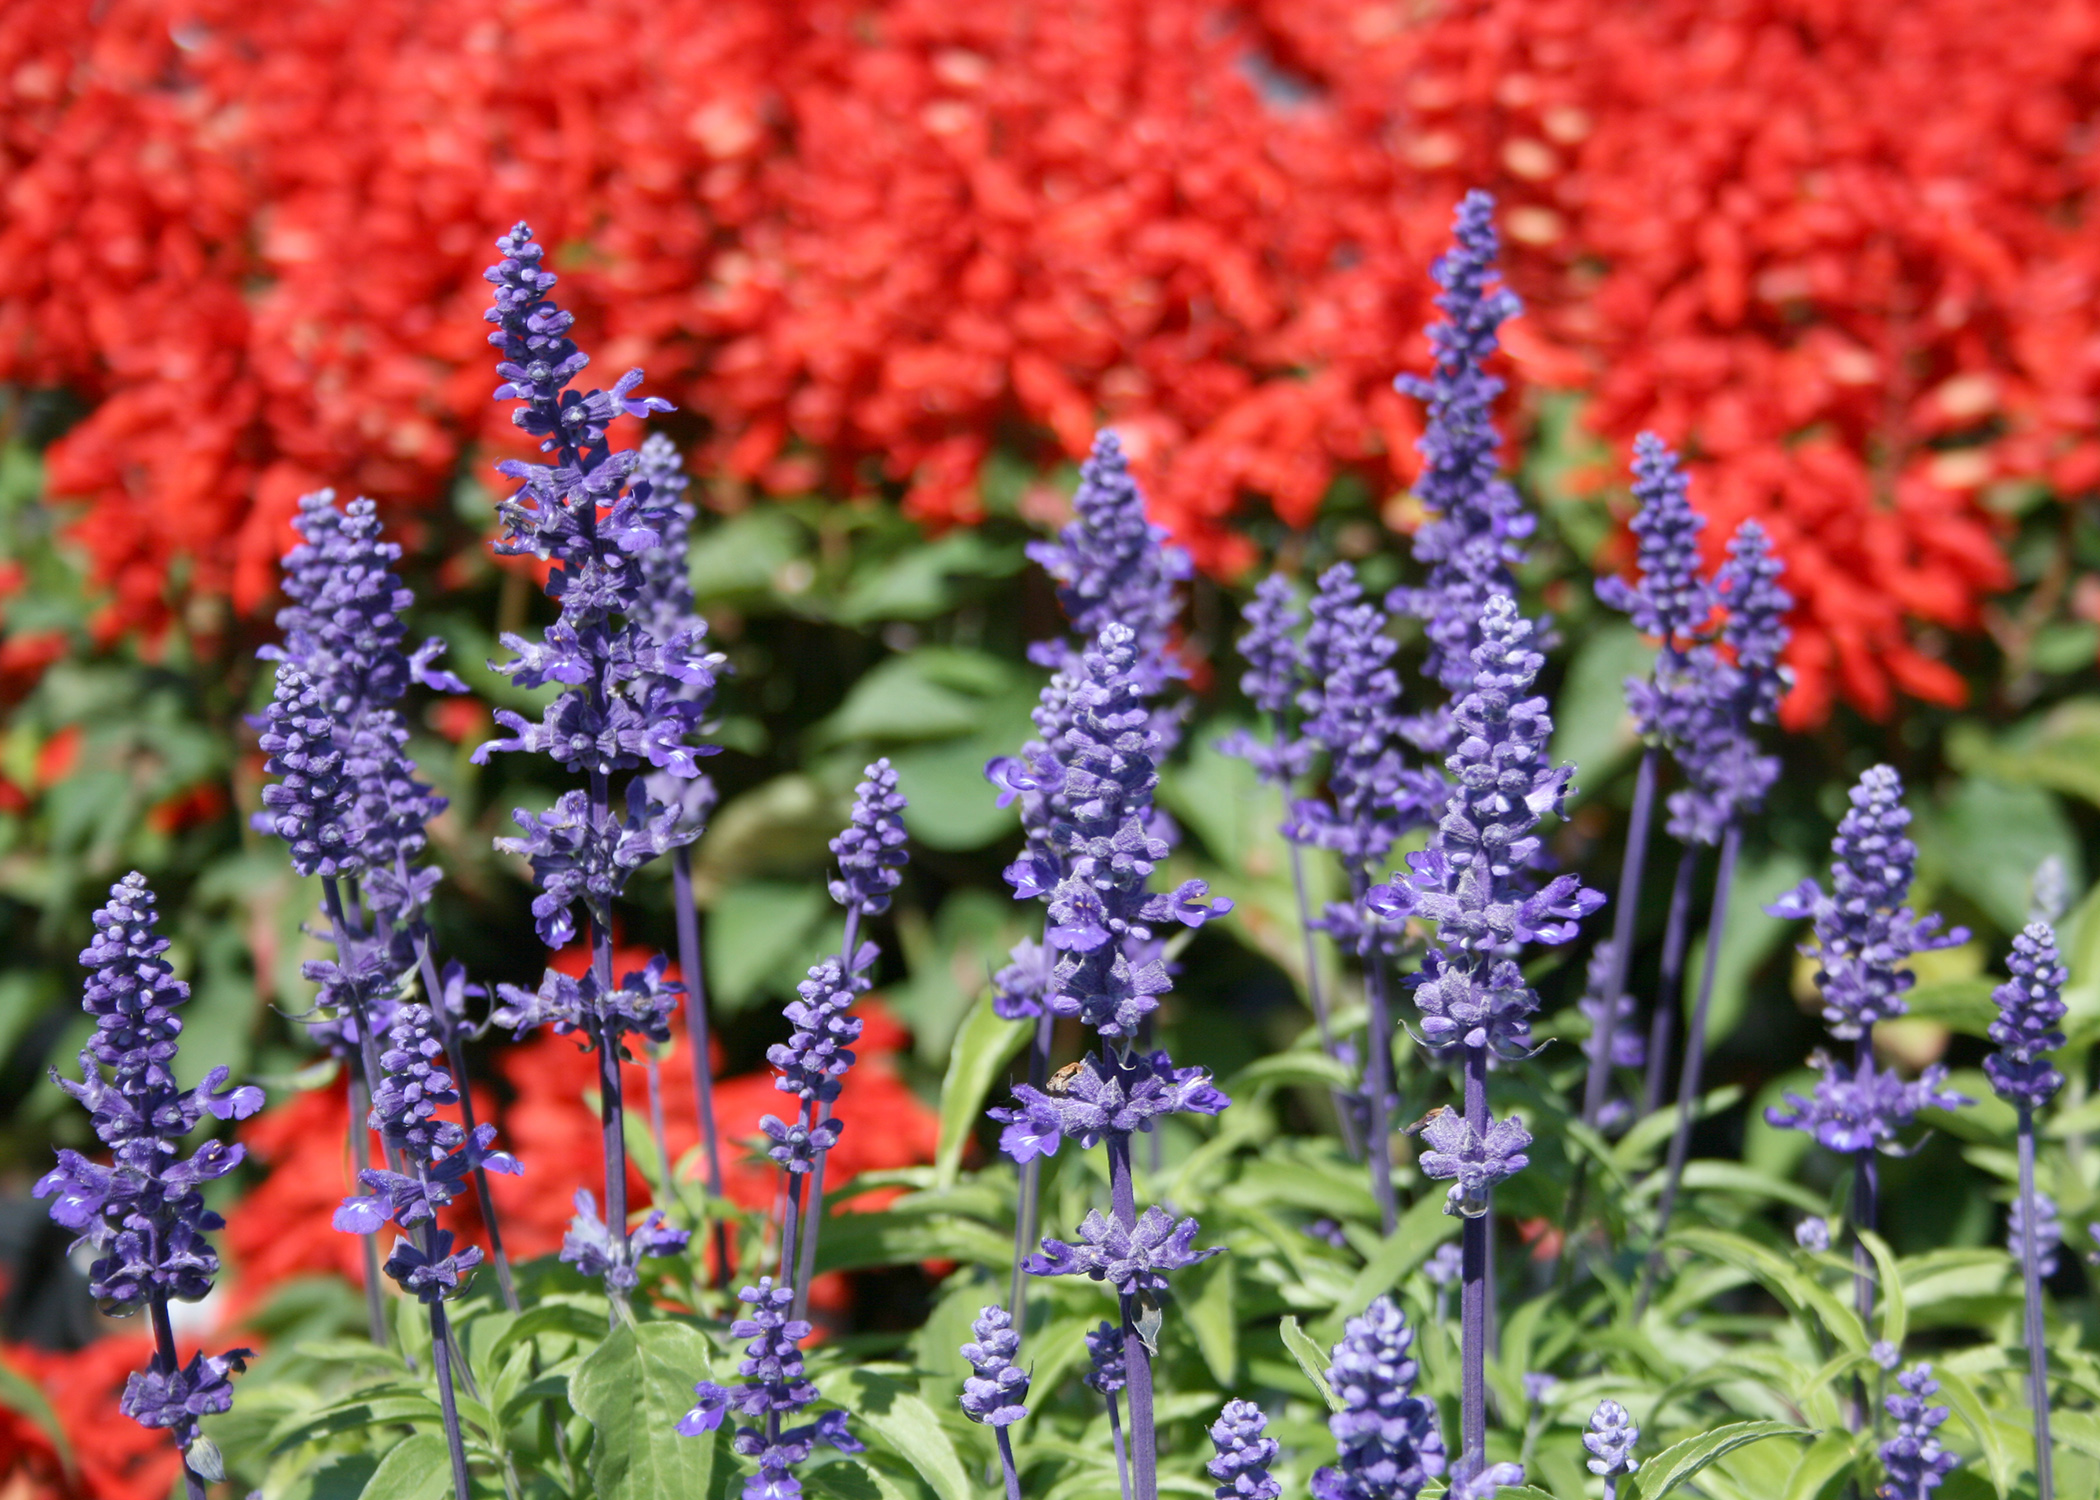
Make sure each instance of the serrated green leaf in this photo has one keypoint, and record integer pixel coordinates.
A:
(1681, 1461)
(416, 1469)
(2000, 1458)
(888, 1412)
(984, 1045)
(1803, 1295)
(1827, 1457)
(1421, 1229)
(1311, 1358)
(632, 1389)
(354, 1413)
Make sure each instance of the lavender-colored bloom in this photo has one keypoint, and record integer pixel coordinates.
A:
(1863, 935)
(640, 1005)
(1133, 1261)
(1672, 600)
(1469, 1482)
(2049, 892)
(871, 850)
(1474, 1162)
(1916, 1463)
(1274, 678)
(1610, 1439)
(1538, 1385)
(1104, 1356)
(1099, 907)
(1629, 1049)
(1113, 566)
(1245, 1452)
(997, 1389)
(775, 1386)
(1861, 1108)
(1885, 1354)
(1327, 1232)
(1122, 1093)
(309, 805)
(818, 1052)
(1386, 1437)
(1479, 525)
(1813, 1235)
(590, 1245)
(1467, 881)
(143, 1214)
(1020, 985)
(1755, 627)
(1444, 1264)
(2048, 1234)
(2030, 1010)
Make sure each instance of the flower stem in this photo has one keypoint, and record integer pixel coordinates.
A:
(806, 1267)
(1006, 1461)
(1694, 1061)
(1115, 1434)
(688, 919)
(360, 1160)
(1631, 866)
(2037, 1335)
(1378, 1069)
(165, 1357)
(612, 1114)
(1030, 1171)
(441, 1359)
(1669, 987)
(1473, 1297)
(1137, 1359)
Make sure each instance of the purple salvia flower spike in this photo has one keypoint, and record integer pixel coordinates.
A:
(997, 1388)
(1914, 1460)
(1105, 1375)
(1673, 600)
(1245, 1452)
(1610, 1439)
(1387, 1442)
(143, 1213)
(2030, 1014)
(775, 1387)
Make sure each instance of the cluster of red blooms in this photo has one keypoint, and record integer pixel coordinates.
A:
(1840, 250)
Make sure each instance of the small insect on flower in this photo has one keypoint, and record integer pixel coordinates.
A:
(1424, 1123)
(1061, 1081)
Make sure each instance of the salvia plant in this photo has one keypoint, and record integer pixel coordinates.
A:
(1147, 1279)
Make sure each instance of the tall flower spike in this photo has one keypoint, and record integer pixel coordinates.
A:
(2030, 1011)
(1916, 1463)
(1672, 600)
(1386, 1437)
(1863, 935)
(997, 1390)
(870, 851)
(1245, 1452)
(2044, 1243)
(1274, 677)
(143, 1214)
(1610, 1440)
(1478, 524)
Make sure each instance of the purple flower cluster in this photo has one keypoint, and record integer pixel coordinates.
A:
(143, 1214)
(1275, 675)
(1478, 523)
(1099, 1096)
(1387, 1442)
(1916, 1463)
(2030, 1011)
(1863, 934)
(775, 1387)
(997, 1388)
(1861, 1108)
(1245, 1452)
(1133, 1260)
(870, 851)
(2044, 1243)
(1610, 1439)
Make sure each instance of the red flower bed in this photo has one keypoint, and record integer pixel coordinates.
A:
(1839, 249)
(113, 1457)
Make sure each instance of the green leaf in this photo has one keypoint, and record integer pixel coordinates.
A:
(633, 1388)
(1591, 727)
(1301, 1069)
(1212, 1309)
(1827, 1458)
(1311, 1358)
(762, 934)
(926, 579)
(900, 1237)
(19, 1394)
(1421, 1229)
(1809, 1299)
(417, 1469)
(1681, 1461)
(2000, 1453)
(1962, 1005)
(1748, 939)
(885, 1410)
(984, 1045)
(1895, 1311)
(741, 557)
(901, 699)
(1987, 838)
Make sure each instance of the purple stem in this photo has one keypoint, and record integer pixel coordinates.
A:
(612, 1113)
(1137, 1359)
(345, 938)
(1473, 1298)
(1006, 1461)
(1694, 1060)
(1318, 996)
(1670, 985)
(1115, 1433)
(360, 1159)
(2037, 1337)
(1378, 1072)
(696, 1038)
(813, 1215)
(1631, 866)
(1865, 1182)
(168, 1362)
(1030, 1170)
(441, 1359)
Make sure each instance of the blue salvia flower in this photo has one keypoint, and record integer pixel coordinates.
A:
(1474, 1480)
(1387, 1442)
(1478, 525)
(1105, 1375)
(1813, 1235)
(665, 609)
(2048, 893)
(1916, 1463)
(2044, 1243)
(1610, 1439)
(870, 851)
(775, 1387)
(2030, 1013)
(1245, 1452)
(1673, 600)
(1132, 1260)
(1863, 934)
(1859, 1108)
(997, 1390)
(143, 1214)
(1275, 676)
